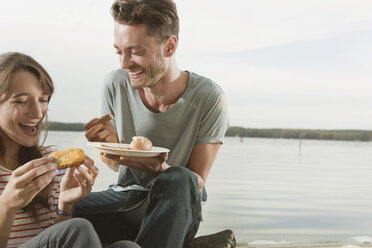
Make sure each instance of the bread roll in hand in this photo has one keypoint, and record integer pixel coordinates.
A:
(68, 158)
(140, 143)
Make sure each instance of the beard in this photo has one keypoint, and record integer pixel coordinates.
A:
(150, 77)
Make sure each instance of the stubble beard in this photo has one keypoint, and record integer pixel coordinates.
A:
(152, 77)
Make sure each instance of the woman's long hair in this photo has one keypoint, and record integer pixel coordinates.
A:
(10, 64)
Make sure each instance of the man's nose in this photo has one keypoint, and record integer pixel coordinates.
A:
(125, 61)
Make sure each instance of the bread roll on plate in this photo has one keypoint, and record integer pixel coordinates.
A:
(140, 143)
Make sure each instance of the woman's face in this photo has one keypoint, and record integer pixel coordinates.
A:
(22, 109)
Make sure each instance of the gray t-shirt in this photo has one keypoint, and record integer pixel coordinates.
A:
(200, 116)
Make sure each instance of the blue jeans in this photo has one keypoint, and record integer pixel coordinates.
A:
(71, 233)
(164, 217)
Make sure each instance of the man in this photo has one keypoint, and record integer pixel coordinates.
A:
(157, 200)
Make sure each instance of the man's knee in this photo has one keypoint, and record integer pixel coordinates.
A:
(177, 183)
(178, 176)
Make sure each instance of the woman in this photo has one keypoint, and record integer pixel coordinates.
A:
(36, 200)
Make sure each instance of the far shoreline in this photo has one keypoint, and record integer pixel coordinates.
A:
(241, 132)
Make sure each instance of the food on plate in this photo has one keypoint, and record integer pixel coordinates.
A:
(68, 158)
(106, 118)
(140, 143)
(116, 147)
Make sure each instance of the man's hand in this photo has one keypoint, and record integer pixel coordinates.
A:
(149, 165)
(112, 164)
(96, 131)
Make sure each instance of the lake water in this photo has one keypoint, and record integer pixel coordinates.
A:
(277, 192)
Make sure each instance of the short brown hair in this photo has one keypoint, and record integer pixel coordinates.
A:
(159, 16)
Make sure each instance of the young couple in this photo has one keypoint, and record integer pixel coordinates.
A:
(156, 201)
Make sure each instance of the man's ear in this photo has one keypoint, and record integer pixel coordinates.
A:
(170, 46)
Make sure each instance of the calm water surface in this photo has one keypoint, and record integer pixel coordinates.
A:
(271, 191)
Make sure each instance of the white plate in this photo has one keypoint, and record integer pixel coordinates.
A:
(123, 149)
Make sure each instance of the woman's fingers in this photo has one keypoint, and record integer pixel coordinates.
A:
(37, 172)
(42, 181)
(85, 174)
(89, 163)
(81, 181)
(91, 168)
(69, 172)
(32, 164)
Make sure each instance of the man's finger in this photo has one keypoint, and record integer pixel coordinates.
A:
(92, 132)
(111, 156)
(91, 123)
(103, 135)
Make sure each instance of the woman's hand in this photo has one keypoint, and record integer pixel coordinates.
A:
(149, 165)
(27, 181)
(75, 186)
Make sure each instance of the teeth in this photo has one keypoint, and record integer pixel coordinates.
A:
(135, 73)
(29, 124)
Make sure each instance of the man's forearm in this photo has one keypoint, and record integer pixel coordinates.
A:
(200, 181)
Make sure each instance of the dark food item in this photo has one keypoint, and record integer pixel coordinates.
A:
(106, 118)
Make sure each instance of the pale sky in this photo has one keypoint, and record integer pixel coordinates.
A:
(282, 63)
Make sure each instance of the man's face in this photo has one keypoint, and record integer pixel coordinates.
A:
(140, 54)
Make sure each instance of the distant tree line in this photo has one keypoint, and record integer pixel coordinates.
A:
(61, 126)
(357, 135)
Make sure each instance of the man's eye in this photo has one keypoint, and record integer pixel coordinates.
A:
(118, 52)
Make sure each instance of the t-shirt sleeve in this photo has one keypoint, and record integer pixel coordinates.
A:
(215, 119)
(107, 98)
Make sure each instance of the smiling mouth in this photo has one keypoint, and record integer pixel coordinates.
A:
(30, 128)
(136, 74)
